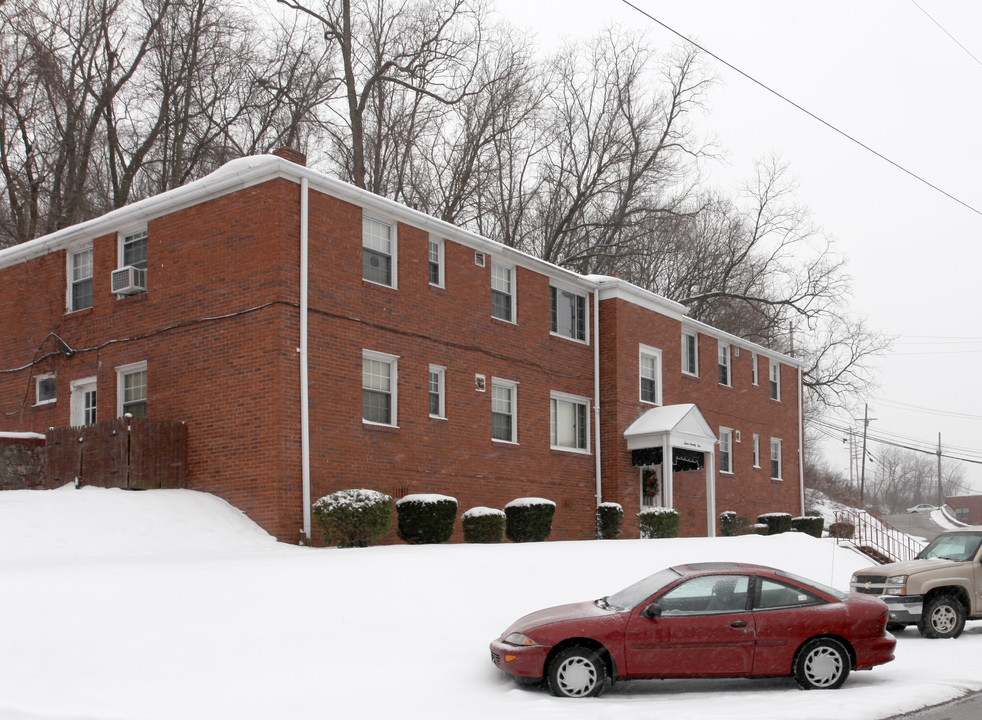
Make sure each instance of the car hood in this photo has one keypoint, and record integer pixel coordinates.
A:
(581, 612)
(909, 567)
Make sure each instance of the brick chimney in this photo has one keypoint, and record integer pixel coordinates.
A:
(294, 156)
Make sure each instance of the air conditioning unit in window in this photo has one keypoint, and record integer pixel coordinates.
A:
(129, 280)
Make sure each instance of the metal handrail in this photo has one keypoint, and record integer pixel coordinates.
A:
(871, 533)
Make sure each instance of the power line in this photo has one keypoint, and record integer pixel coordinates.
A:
(945, 31)
(812, 115)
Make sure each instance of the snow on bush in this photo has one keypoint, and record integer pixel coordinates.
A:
(610, 515)
(354, 518)
(659, 522)
(483, 525)
(426, 519)
(529, 519)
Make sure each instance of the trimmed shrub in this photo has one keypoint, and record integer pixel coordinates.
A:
(842, 530)
(529, 519)
(776, 523)
(354, 518)
(809, 524)
(426, 519)
(731, 524)
(609, 518)
(760, 529)
(659, 522)
(483, 525)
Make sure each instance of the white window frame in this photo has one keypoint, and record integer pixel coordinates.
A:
(776, 458)
(392, 254)
(557, 291)
(724, 359)
(646, 351)
(753, 368)
(122, 372)
(79, 390)
(512, 387)
(73, 281)
(125, 238)
(440, 373)
(37, 389)
(511, 293)
(393, 362)
(756, 451)
(726, 450)
(690, 355)
(559, 397)
(436, 244)
(774, 375)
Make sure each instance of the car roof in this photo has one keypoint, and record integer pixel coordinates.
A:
(704, 568)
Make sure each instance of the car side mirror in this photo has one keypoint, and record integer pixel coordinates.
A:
(652, 611)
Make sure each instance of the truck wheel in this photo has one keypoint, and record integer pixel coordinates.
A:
(943, 617)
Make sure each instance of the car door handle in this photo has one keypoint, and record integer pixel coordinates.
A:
(738, 623)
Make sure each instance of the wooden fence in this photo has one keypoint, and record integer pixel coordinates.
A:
(137, 453)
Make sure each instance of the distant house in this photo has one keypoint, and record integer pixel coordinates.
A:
(313, 337)
(968, 508)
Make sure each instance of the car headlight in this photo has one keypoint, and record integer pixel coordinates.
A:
(519, 639)
(896, 585)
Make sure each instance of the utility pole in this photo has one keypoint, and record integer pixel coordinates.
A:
(862, 471)
(940, 497)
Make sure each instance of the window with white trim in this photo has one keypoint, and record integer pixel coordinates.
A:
(131, 390)
(649, 370)
(502, 292)
(84, 410)
(569, 422)
(45, 389)
(725, 450)
(80, 280)
(753, 368)
(436, 262)
(437, 383)
(378, 252)
(775, 375)
(379, 382)
(567, 313)
(724, 364)
(503, 410)
(775, 459)
(690, 353)
(133, 253)
(756, 450)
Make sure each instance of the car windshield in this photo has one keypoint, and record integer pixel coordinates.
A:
(960, 547)
(631, 596)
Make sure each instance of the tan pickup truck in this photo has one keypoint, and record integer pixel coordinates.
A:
(937, 591)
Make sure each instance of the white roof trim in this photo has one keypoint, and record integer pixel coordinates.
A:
(683, 426)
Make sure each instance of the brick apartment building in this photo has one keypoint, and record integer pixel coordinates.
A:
(314, 337)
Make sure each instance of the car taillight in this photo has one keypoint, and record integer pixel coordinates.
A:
(883, 617)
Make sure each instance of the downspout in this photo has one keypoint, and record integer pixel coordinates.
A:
(304, 386)
(801, 438)
(596, 393)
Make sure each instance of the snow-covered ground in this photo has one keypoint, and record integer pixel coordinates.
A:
(170, 604)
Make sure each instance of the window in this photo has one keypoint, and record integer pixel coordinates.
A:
(436, 263)
(503, 410)
(133, 253)
(725, 450)
(690, 353)
(131, 390)
(775, 594)
(84, 406)
(80, 280)
(502, 292)
(775, 380)
(753, 368)
(724, 364)
(378, 388)
(756, 450)
(437, 391)
(569, 422)
(775, 459)
(568, 313)
(46, 390)
(649, 368)
(377, 252)
(707, 594)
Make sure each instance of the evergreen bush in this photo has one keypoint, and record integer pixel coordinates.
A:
(354, 518)
(483, 525)
(809, 524)
(842, 530)
(730, 524)
(659, 522)
(609, 518)
(776, 523)
(760, 529)
(426, 519)
(529, 519)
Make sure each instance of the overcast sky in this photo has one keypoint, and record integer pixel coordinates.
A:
(899, 76)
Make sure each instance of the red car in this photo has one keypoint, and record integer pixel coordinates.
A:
(700, 620)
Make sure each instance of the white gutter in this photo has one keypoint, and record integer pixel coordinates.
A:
(596, 393)
(801, 438)
(304, 387)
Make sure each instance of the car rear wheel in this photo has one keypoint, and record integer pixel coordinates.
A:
(822, 664)
(577, 672)
(943, 617)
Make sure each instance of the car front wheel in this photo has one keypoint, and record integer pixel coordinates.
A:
(943, 617)
(577, 672)
(822, 664)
